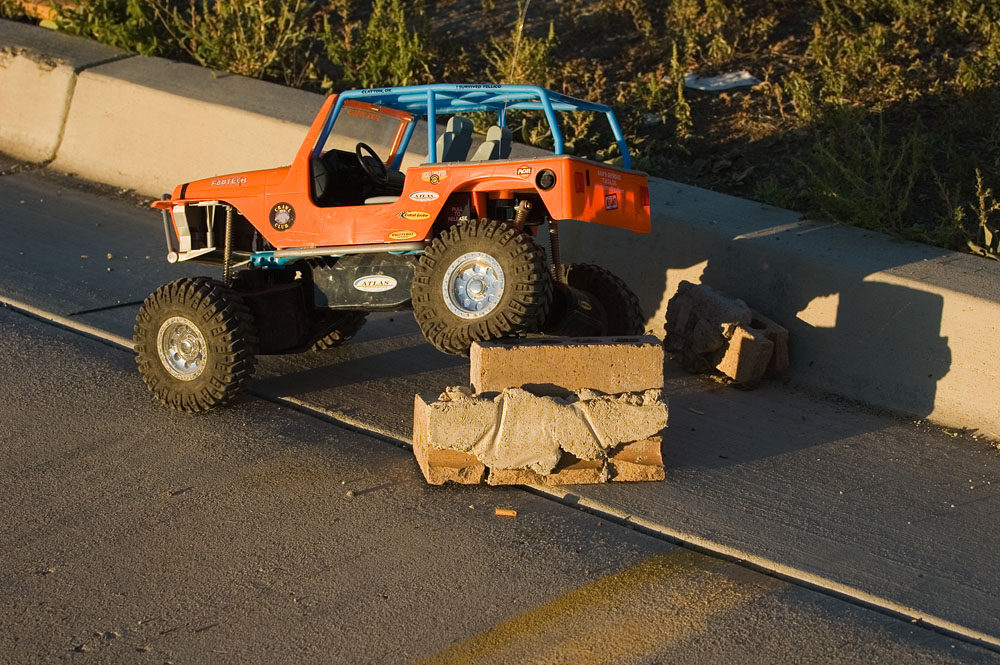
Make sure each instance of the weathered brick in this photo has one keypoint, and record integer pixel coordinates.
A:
(747, 356)
(778, 335)
(569, 471)
(556, 366)
(440, 466)
(638, 461)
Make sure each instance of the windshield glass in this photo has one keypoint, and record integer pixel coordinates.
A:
(380, 128)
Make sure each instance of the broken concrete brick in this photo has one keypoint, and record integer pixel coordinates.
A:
(619, 418)
(778, 335)
(702, 318)
(556, 366)
(460, 424)
(514, 477)
(747, 356)
(705, 337)
(530, 432)
(638, 461)
(574, 471)
(536, 439)
(440, 466)
(569, 471)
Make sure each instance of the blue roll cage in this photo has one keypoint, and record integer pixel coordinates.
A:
(430, 101)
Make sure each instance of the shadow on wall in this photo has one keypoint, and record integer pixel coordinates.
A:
(851, 331)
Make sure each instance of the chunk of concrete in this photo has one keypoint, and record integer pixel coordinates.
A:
(747, 357)
(536, 439)
(638, 461)
(461, 424)
(557, 366)
(38, 68)
(440, 466)
(629, 417)
(530, 434)
(778, 335)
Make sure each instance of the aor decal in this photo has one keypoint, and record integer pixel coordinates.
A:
(375, 283)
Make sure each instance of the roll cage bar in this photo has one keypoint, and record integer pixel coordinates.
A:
(430, 101)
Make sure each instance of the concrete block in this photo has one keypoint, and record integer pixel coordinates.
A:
(461, 424)
(38, 69)
(441, 466)
(747, 357)
(638, 461)
(554, 366)
(529, 433)
(699, 319)
(569, 471)
(537, 439)
(615, 419)
(778, 335)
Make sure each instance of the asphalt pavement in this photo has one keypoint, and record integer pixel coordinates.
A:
(840, 503)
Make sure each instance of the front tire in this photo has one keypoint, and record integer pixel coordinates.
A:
(195, 344)
(479, 280)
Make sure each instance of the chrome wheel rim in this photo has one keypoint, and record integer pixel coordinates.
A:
(473, 285)
(182, 347)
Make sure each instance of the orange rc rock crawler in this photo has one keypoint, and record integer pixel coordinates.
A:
(308, 250)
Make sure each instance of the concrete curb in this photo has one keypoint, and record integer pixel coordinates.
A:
(894, 324)
(38, 70)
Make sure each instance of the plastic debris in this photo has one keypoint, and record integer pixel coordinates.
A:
(728, 81)
(506, 512)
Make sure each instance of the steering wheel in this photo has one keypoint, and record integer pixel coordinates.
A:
(373, 167)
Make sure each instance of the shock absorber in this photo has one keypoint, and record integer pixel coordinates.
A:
(227, 251)
(521, 211)
(557, 269)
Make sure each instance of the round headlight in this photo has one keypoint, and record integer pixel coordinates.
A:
(545, 180)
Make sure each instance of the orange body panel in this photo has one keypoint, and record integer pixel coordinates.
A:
(584, 190)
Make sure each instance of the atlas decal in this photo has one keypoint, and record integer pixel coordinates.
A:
(375, 283)
(424, 196)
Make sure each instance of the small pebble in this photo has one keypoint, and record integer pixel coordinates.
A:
(349, 494)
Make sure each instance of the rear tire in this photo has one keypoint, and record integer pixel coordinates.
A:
(479, 280)
(195, 344)
(621, 306)
(337, 328)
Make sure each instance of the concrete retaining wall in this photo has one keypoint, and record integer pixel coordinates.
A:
(891, 323)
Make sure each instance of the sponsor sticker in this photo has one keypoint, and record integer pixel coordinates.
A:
(424, 196)
(282, 216)
(415, 215)
(523, 171)
(611, 202)
(434, 177)
(229, 181)
(402, 235)
(375, 283)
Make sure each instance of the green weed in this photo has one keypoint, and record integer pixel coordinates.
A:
(256, 38)
(393, 47)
